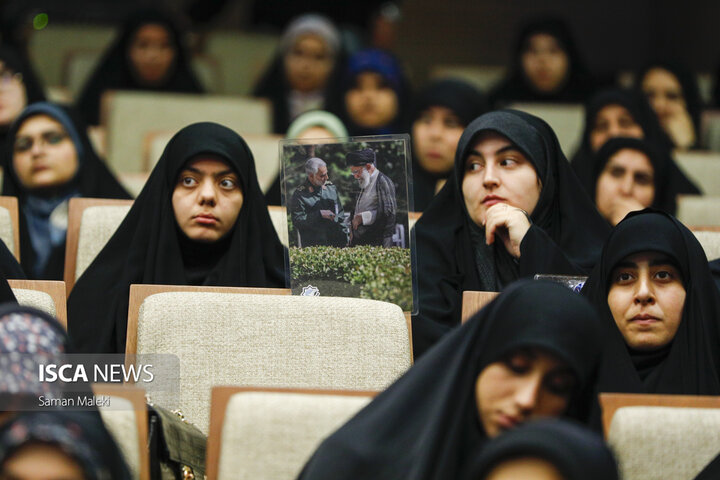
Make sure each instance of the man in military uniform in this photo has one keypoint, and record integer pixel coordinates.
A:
(316, 210)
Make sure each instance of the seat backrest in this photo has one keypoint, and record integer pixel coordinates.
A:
(271, 433)
(48, 296)
(269, 341)
(698, 210)
(662, 436)
(126, 418)
(483, 77)
(9, 225)
(91, 223)
(567, 120)
(129, 115)
(474, 301)
(703, 168)
(709, 238)
(263, 147)
(278, 216)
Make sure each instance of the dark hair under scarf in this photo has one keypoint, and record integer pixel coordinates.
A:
(38, 236)
(690, 365)
(669, 181)
(690, 90)
(565, 236)
(639, 109)
(80, 435)
(115, 70)
(577, 453)
(426, 425)
(149, 247)
(516, 87)
(388, 67)
(464, 101)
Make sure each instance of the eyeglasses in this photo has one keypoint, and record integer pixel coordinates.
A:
(52, 137)
(7, 77)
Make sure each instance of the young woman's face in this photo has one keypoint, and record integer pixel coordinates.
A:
(152, 54)
(13, 97)
(44, 155)
(613, 121)
(497, 172)
(525, 468)
(664, 92)
(207, 199)
(646, 299)
(528, 383)
(628, 174)
(308, 63)
(545, 63)
(371, 103)
(41, 462)
(435, 138)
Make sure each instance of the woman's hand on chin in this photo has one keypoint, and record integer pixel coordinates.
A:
(509, 224)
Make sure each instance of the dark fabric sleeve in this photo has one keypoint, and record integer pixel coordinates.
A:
(301, 218)
(540, 254)
(387, 205)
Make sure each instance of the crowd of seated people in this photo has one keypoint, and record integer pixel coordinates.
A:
(510, 393)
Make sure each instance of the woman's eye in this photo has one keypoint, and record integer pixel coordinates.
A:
(23, 144)
(601, 126)
(664, 275)
(617, 172)
(474, 166)
(53, 138)
(452, 123)
(188, 181)
(508, 162)
(519, 363)
(560, 384)
(227, 183)
(643, 179)
(623, 277)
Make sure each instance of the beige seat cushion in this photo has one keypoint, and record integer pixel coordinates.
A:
(710, 242)
(121, 422)
(36, 299)
(6, 229)
(97, 225)
(567, 120)
(699, 210)
(271, 341)
(272, 435)
(703, 168)
(278, 216)
(664, 442)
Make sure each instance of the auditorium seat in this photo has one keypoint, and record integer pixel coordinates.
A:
(703, 168)
(709, 238)
(46, 295)
(474, 301)
(248, 339)
(567, 120)
(484, 77)
(698, 210)
(271, 433)
(661, 436)
(278, 215)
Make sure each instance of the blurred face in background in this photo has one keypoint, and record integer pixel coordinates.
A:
(308, 63)
(371, 103)
(435, 138)
(613, 121)
(152, 54)
(545, 64)
(627, 182)
(13, 97)
(664, 93)
(38, 461)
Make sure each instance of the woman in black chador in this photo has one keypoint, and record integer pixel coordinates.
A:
(200, 220)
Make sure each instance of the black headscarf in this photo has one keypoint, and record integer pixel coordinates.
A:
(565, 237)
(690, 365)
(577, 453)
(9, 269)
(115, 70)
(80, 435)
(466, 102)
(426, 425)
(517, 88)
(690, 90)
(638, 108)
(273, 84)
(715, 270)
(93, 179)
(33, 89)
(149, 247)
(669, 180)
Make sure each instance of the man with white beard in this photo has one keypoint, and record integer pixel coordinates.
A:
(373, 219)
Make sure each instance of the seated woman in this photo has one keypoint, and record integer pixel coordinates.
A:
(309, 125)
(442, 111)
(60, 444)
(149, 54)
(51, 160)
(18, 88)
(546, 67)
(673, 93)
(524, 356)
(631, 174)
(546, 450)
(660, 306)
(375, 96)
(200, 220)
(512, 208)
(304, 70)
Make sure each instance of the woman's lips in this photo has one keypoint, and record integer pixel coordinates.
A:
(491, 200)
(506, 421)
(206, 219)
(644, 319)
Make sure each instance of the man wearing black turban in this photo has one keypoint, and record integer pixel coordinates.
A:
(373, 218)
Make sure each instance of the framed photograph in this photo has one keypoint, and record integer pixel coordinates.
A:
(347, 203)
